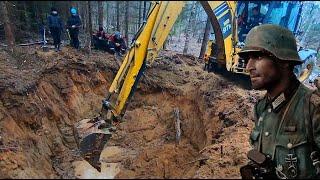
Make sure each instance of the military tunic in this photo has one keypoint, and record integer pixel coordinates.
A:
(285, 129)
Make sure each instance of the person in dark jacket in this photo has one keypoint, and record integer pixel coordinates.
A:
(101, 34)
(73, 25)
(117, 43)
(256, 18)
(100, 40)
(56, 26)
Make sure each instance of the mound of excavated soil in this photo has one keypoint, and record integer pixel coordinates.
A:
(43, 94)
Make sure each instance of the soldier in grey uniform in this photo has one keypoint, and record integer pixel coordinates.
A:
(286, 135)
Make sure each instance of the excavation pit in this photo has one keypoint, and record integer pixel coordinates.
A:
(44, 93)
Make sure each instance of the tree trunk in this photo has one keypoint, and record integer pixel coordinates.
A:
(36, 11)
(127, 21)
(118, 15)
(144, 10)
(100, 13)
(196, 14)
(72, 4)
(107, 16)
(90, 18)
(88, 27)
(26, 16)
(84, 14)
(139, 18)
(188, 29)
(7, 26)
(40, 14)
(113, 18)
(311, 20)
(205, 39)
(65, 10)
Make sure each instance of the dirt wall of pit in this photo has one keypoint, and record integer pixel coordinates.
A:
(37, 116)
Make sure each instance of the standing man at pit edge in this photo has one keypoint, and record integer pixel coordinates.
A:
(73, 25)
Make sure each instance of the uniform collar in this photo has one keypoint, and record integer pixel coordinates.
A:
(279, 101)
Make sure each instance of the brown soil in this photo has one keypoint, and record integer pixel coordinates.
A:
(43, 94)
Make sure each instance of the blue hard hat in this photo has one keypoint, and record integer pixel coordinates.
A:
(73, 10)
(117, 35)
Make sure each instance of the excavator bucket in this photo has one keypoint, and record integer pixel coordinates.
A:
(91, 135)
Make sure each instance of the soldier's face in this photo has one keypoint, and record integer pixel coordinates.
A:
(264, 72)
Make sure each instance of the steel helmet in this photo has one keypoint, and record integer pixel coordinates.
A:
(73, 11)
(274, 39)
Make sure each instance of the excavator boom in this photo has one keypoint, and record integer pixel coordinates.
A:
(145, 48)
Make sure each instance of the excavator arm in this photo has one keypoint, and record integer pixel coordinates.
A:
(92, 134)
(149, 41)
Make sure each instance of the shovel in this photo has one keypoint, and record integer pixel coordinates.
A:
(45, 48)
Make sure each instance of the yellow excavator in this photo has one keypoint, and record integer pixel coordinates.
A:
(92, 134)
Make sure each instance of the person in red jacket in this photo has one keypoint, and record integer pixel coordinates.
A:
(101, 34)
(117, 43)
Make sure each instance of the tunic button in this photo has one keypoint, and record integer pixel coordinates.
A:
(266, 133)
(269, 110)
(289, 145)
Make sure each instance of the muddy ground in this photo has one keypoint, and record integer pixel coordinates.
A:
(44, 94)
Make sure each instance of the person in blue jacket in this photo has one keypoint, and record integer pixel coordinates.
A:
(73, 25)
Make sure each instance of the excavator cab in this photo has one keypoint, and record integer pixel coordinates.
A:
(283, 13)
(250, 14)
(253, 13)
